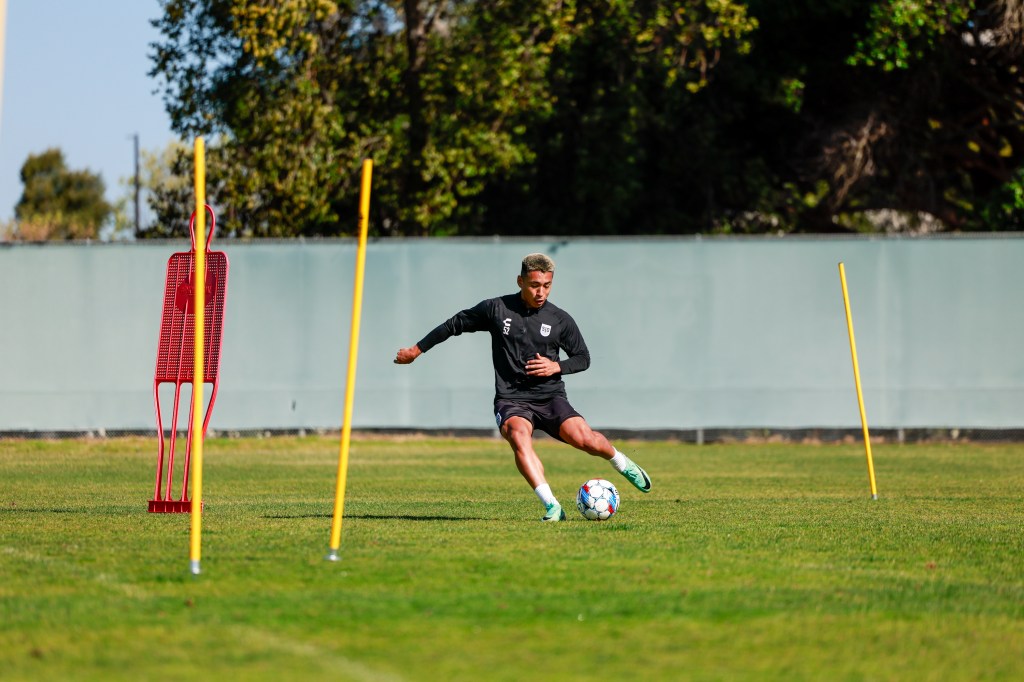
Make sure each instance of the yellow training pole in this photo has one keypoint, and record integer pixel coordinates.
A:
(856, 380)
(197, 376)
(3, 40)
(353, 354)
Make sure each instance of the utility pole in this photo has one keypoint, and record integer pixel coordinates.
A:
(138, 226)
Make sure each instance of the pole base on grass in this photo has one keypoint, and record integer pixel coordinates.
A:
(875, 496)
(170, 506)
(194, 567)
(332, 555)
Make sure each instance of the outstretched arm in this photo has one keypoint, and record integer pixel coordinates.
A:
(407, 355)
(469, 320)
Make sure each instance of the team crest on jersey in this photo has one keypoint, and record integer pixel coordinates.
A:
(545, 329)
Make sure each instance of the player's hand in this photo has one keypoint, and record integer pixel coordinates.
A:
(407, 355)
(540, 366)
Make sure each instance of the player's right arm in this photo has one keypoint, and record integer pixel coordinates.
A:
(470, 320)
(407, 355)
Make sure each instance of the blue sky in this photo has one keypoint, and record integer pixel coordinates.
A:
(75, 78)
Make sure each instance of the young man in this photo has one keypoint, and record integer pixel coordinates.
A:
(527, 332)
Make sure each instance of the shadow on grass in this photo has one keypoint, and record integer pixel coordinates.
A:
(378, 517)
(47, 510)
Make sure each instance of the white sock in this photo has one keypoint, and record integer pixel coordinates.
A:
(619, 461)
(544, 493)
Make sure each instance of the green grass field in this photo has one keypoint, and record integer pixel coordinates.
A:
(746, 562)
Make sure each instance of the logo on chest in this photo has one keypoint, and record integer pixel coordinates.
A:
(545, 330)
(507, 322)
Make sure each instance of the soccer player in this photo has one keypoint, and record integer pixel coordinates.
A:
(527, 331)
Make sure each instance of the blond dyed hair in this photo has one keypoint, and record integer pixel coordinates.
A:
(537, 262)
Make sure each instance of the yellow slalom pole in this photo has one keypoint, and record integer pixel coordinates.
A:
(856, 380)
(353, 354)
(197, 376)
(3, 40)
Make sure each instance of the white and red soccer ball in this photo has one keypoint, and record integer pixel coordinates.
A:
(597, 500)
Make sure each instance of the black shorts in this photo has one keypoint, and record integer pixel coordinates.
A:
(546, 416)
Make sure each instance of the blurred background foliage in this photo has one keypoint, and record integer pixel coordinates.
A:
(566, 117)
(57, 202)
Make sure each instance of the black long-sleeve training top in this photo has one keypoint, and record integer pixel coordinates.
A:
(518, 333)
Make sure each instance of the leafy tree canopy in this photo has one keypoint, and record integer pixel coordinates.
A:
(611, 117)
(59, 203)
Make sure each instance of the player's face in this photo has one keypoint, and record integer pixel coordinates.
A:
(535, 287)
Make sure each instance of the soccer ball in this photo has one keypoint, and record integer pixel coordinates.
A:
(597, 500)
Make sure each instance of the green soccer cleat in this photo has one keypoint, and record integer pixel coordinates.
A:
(554, 513)
(637, 476)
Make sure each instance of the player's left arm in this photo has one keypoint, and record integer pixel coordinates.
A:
(571, 341)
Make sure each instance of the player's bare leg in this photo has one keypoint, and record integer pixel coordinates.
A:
(519, 434)
(576, 432)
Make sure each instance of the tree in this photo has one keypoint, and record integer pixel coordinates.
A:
(608, 117)
(848, 113)
(912, 107)
(58, 203)
(449, 97)
(628, 148)
(308, 89)
(283, 146)
(946, 132)
(167, 179)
